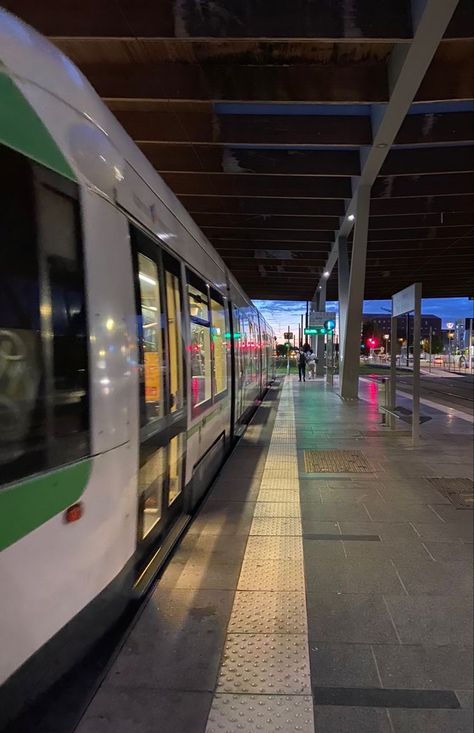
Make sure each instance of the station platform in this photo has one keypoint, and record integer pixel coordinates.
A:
(325, 585)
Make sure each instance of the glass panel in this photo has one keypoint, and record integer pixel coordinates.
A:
(67, 317)
(43, 344)
(198, 304)
(23, 417)
(151, 335)
(219, 345)
(150, 488)
(200, 364)
(176, 459)
(173, 300)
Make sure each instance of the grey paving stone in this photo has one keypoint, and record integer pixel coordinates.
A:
(116, 710)
(388, 531)
(336, 719)
(313, 527)
(315, 550)
(210, 575)
(424, 667)
(349, 618)
(336, 511)
(353, 497)
(224, 524)
(384, 511)
(177, 643)
(432, 620)
(213, 549)
(424, 576)
(432, 721)
(451, 552)
(466, 698)
(352, 576)
(444, 531)
(342, 665)
(412, 551)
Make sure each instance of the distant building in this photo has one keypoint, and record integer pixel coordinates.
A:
(383, 324)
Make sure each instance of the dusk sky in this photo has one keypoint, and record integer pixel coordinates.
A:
(283, 313)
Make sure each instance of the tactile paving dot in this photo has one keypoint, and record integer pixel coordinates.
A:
(281, 547)
(265, 663)
(272, 575)
(279, 483)
(261, 714)
(276, 509)
(267, 612)
(277, 496)
(280, 473)
(290, 526)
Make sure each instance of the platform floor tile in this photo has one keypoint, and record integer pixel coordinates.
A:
(277, 509)
(279, 495)
(257, 612)
(265, 664)
(272, 575)
(273, 548)
(290, 526)
(261, 714)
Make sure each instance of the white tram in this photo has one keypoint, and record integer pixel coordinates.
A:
(130, 358)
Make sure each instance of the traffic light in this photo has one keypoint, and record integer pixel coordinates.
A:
(371, 342)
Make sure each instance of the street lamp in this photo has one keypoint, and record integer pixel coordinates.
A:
(386, 338)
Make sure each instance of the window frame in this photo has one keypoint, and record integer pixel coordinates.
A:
(55, 450)
(149, 247)
(199, 284)
(221, 299)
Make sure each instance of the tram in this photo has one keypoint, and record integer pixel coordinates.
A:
(130, 360)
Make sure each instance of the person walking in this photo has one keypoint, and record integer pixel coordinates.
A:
(311, 362)
(302, 366)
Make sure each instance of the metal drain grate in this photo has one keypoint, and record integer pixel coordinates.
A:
(459, 491)
(336, 461)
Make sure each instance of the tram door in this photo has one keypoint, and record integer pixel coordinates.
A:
(161, 391)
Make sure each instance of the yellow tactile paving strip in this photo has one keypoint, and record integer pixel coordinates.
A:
(264, 681)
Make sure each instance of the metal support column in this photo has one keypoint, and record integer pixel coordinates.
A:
(320, 339)
(343, 287)
(415, 425)
(349, 370)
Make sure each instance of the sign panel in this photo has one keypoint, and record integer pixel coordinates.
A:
(404, 301)
(317, 318)
(288, 335)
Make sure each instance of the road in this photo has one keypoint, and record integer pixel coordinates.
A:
(457, 392)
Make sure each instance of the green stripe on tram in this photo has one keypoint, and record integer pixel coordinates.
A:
(22, 129)
(29, 504)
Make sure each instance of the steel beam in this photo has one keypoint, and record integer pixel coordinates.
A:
(349, 366)
(407, 68)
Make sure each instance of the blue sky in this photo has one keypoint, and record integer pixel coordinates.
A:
(283, 313)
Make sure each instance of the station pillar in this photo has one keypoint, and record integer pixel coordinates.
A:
(349, 369)
(343, 288)
(321, 300)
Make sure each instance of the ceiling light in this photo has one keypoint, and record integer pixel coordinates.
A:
(351, 217)
(326, 274)
(381, 145)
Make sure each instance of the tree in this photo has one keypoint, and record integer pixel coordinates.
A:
(281, 349)
(436, 345)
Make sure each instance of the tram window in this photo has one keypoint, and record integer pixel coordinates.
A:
(200, 364)
(44, 416)
(173, 302)
(219, 346)
(200, 346)
(151, 338)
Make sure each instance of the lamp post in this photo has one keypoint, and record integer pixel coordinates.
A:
(386, 338)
